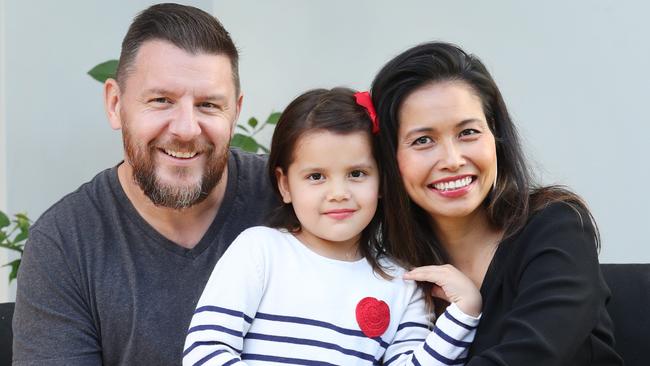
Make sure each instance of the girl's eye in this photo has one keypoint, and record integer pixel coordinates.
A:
(469, 132)
(423, 140)
(315, 176)
(357, 174)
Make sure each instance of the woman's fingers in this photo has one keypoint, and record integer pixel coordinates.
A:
(433, 274)
(451, 285)
(437, 291)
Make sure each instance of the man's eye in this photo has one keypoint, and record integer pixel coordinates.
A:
(161, 100)
(208, 105)
(315, 176)
(357, 174)
(423, 140)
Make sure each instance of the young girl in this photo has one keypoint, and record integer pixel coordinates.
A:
(315, 289)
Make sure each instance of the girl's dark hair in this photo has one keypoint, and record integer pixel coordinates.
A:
(334, 111)
(407, 230)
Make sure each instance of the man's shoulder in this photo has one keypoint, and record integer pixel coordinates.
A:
(252, 180)
(80, 204)
(249, 164)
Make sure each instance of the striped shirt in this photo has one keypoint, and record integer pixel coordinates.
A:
(271, 300)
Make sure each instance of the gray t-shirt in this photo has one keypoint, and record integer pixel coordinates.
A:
(98, 284)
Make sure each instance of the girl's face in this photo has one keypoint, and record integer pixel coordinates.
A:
(333, 184)
(445, 150)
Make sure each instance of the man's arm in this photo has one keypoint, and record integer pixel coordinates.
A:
(52, 323)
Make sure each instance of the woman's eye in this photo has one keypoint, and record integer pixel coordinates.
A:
(315, 176)
(423, 140)
(357, 174)
(469, 132)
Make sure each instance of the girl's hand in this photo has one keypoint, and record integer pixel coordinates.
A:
(451, 285)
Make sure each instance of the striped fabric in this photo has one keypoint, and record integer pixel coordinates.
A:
(271, 300)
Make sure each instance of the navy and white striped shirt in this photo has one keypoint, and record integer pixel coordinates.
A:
(270, 299)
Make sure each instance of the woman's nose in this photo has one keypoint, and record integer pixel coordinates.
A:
(452, 157)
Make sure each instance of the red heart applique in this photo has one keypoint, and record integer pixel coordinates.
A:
(373, 316)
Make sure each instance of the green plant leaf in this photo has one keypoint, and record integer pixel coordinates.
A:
(246, 143)
(4, 220)
(104, 71)
(9, 245)
(15, 264)
(252, 122)
(22, 236)
(273, 118)
(23, 222)
(264, 149)
(22, 216)
(243, 128)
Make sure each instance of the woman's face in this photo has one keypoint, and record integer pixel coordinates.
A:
(445, 150)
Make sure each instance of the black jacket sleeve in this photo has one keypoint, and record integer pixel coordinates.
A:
(558, 294)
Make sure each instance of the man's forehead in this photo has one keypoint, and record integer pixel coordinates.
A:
(163, 66)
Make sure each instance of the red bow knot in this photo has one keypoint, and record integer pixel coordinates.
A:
(364, 100)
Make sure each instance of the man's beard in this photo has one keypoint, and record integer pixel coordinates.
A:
(167, 195)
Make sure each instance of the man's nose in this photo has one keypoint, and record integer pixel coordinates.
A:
(185, 125)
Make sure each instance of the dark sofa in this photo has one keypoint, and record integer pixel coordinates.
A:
(629, 308)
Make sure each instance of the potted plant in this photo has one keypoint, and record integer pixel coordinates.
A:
(13, 234)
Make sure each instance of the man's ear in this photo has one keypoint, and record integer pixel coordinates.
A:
(112, 103)
(238, 105)
(283, 185)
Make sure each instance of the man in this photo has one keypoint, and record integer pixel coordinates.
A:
(113, 271)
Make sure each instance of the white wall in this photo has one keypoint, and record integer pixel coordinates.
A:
(57, 134)
(4, 255)
(575, 75)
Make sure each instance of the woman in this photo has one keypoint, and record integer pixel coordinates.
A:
(458, 191)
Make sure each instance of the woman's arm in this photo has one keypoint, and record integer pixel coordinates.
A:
(448, 342)
(557, 292)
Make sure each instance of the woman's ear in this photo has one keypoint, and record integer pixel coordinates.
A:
(283, 185)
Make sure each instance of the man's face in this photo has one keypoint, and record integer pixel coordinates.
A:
(177, 111)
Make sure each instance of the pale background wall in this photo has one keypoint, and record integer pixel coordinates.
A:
(4, 256)
(57, 135)
(574, 74)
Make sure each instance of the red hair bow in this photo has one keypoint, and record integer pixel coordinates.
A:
(364, 100)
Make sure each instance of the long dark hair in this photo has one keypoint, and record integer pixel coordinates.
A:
(334, 111)
(407, 230)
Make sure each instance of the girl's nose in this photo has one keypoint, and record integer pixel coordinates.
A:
(338, 191)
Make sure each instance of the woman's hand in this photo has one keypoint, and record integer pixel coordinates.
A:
(451, 285)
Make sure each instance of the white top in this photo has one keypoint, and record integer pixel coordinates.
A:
(271, 300)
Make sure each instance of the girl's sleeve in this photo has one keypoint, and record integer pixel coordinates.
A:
(226, 308)
(559, 293)
(415, 344)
